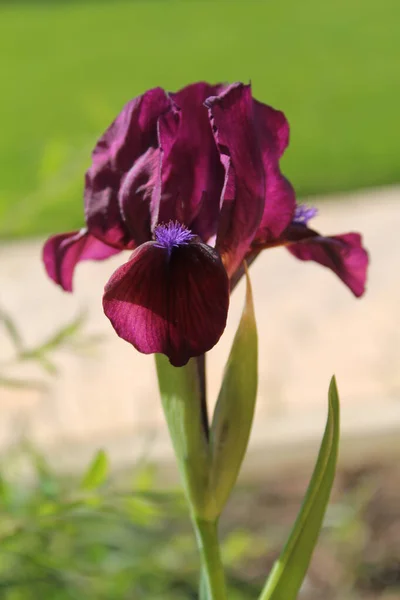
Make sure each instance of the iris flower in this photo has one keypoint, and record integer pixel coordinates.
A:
(190, 183)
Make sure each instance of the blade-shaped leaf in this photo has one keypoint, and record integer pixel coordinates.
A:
(181, 399)
(22, 384)
(61, 336)
(234, 411)
(6, 492)
(11, 329)
(46, 364)
(97, 472)
(288, 572)
(203, 591)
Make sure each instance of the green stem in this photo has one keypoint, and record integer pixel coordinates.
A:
(201, 367)
(213, 577)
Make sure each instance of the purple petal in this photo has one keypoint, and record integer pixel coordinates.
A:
(274, 125)
(62, 252)
(130, 136)
(191, 170)
(195, 94)
(280, 202)
(273, 131)
(175, 303)
(343, 254)
(136, 195)
(235, 132)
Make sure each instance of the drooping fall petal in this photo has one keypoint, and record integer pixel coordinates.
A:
(169, 300)
(234, 126)
(131, 135)
(62, 252)
(343, 254)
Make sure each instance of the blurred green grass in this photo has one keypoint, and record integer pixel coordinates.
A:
(96, 537)
(68, 67)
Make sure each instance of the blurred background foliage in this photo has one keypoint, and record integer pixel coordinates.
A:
(69, 67)
(108, 533)
(98, 537)
(69, 337)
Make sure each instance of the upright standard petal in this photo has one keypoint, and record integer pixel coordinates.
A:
(274, 126)
(234, 126)
(343, 254)
(130, 136)
(62, 252)
(138, 195)
(191, 170)
(173, 300)
(273, 134)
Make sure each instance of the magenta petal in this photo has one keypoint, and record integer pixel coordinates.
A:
(236, 135)
(274, 125)
(280, 203)
(273, 130)
(136, 195)
(343, 254)
(193, 96)
(132, 133)
(172, 302)
(191, 170)
(62, 252)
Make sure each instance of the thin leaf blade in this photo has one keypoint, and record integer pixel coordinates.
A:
(234, 411)
(288, 572)
(22, 384)
(64, 334)
(12, 330)
(96, 473)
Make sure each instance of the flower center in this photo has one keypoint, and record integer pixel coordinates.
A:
(172, 235)
(303, 214)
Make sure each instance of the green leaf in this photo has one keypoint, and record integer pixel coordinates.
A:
(288, 572)
(47, 364)
(97, 472)
(22, 384)
(5, 493)
(234, 411)
(181, 399)
(59, 338)
(11, 329)
(203, 591)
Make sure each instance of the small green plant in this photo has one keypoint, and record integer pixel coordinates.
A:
(97, 538)
(68, 337)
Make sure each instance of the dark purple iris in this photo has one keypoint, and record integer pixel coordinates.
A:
(190, 182)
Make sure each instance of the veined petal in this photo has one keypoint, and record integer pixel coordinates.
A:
(132, 133)
(280, 202)
(234, 127)
(136, 195)
(173, 301)
(274, 125)
(343, 254)
(62, 252)
(195, 94)
(192, 173)
(273, 134)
